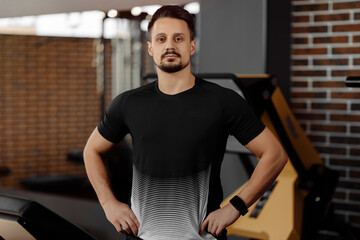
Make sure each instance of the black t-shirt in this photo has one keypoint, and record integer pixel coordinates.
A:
(179, 143)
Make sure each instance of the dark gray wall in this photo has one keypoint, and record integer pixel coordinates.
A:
(232, 39)
(232, 36)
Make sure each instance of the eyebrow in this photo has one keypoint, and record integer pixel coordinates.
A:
(175, 34)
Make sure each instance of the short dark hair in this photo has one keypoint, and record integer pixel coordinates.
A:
(173, 11)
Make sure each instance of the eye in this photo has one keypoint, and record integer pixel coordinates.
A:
(160, 39)
(178, 39)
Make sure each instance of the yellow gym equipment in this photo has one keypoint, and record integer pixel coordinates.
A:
(298, 204)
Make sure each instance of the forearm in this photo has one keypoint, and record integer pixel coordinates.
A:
(267, 170)
(98, 176)
(265, 173)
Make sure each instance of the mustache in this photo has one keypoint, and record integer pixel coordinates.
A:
(170, 52)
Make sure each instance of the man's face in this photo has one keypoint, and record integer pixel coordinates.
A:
(171, 45)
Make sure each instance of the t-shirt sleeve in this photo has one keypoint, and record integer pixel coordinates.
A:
(240, 120)
(112, 127)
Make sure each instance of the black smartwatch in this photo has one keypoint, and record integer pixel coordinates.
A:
(239, 204)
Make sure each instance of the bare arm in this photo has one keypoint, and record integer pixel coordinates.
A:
(118, 213)
(96, 171)
(272, 159)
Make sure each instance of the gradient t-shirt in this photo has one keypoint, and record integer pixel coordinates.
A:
(179, 143)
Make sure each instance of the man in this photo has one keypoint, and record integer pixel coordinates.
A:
(179, 126)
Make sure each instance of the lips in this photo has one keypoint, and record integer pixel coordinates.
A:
(170, 55)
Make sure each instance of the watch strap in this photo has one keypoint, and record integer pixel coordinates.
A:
(239, 205)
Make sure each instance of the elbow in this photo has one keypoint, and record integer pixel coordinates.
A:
(86, 152)
(283, 158)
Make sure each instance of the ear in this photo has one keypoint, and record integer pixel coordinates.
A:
(149, 48)
(192, 47)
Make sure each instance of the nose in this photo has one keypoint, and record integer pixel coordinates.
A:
(170, 45)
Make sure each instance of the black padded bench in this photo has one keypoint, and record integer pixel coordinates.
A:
(25, 219)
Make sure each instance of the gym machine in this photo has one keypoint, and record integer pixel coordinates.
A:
(25, 219)
(299, 203)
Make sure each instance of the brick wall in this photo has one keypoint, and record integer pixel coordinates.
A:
(49, 104)
(326, 49)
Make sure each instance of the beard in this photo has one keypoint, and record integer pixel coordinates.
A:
(170, 66)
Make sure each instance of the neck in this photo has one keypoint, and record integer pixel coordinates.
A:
(173, 83)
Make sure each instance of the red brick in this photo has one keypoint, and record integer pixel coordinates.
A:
(346, 50)
(300, 40)
(329, 62)
(310, 29)
(345, 73)
(310, 116)
(299, 84)
(300, 62)
(345, 140)
(356, 38)
(354, 129)
(345, 117)
(300, 18)
(309, 51)
(310, 7)
(355, 151)
(332, 17)
(329, 106)
(298, 105)
(347, 207)
(357, 16)
(328, 84)
(346, 28)
(354, 196)
(345, 95)
(308, 94)
(339, 195)
(354, 174)
(342, 173)
(346, 5)
(334, 39)
(349, 184)
(355, 106)
(316, 138)
(328, 128)
(308, 73)
(331, 150)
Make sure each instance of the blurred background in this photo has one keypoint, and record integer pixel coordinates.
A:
(62, 63)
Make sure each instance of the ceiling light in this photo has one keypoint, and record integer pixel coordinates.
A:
(193, 7)
(102, 14)
(136, 11)
(151, 9)
(112, 13)
(144, 25)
